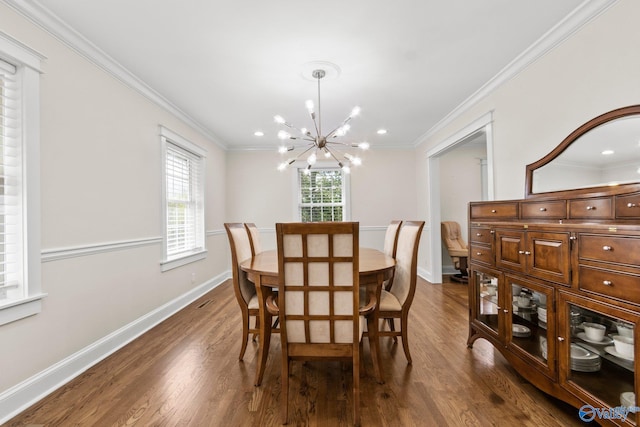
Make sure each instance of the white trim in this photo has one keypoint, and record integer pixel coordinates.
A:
(15, 50)
(45, 19)
(435, 245)
(98, 248)
(172, 263)
(21, 396)
(183, 142)
(20, 309)
(579, 17)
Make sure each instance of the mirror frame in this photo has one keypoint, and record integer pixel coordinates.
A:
(603, 190)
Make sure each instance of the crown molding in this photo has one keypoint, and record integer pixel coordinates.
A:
(580, 16)
(45, 19)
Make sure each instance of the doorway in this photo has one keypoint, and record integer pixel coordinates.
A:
(460, 170)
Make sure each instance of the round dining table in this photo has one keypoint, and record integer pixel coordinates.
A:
(262, 269)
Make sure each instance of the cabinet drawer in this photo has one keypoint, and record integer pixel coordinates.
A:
(628, 206)
(614, 249)
(494, 210)
(481, 235)
(601, 208)
(550, 209)
(481, 254)
(624, 286)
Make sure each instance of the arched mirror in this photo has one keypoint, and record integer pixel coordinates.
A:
(600, 157)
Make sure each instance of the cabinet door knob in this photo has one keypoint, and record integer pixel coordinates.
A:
(493, 211)
(478, 234)
(521, 252)
(607, 282)
(560, 339)
(591, 208)
(631, 205)
(543, 209)
(527, 253)
(505, 311)
(607, 248)
(492, 232)
(478, 253)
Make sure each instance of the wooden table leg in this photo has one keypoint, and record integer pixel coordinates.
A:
(265, 330)
(372, 328)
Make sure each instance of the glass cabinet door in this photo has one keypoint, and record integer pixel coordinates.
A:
(488, 299)
(597, 354)
(531, 325)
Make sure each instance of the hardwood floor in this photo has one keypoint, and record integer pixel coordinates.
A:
(185, 372)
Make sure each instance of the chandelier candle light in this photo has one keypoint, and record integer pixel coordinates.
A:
(318, 145)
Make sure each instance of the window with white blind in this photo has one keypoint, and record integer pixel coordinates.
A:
(20, 293)
(184, 233)
(322, 195)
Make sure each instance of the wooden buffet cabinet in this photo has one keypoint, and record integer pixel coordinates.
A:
(543, 266)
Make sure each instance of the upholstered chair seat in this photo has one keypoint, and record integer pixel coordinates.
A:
(457, 248)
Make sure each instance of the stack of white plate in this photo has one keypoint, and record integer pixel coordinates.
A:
(542, 317)
(583, 360)
(628, 398)
(543, 347)
(520, 331)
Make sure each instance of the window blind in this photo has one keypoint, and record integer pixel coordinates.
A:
(184, 201)
(11, 286)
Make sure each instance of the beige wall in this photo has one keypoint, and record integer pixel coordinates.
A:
(592, 72)
(101, 183)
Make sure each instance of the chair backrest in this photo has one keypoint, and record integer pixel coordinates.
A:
(406, 271)
(254, 238)
(319, 286)
(452, 236)
(391, 238)
(240, 250)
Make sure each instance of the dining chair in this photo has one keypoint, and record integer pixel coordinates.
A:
(254, 238)
(244, 290)
(319, 299)
(396, 302)
(390, 246)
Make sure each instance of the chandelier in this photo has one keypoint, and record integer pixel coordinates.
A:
(327, 145)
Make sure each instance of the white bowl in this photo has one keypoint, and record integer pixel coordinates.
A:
(625, 330)
(624, 345)
(594, 331)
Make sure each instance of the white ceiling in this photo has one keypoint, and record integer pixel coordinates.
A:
(232, 65)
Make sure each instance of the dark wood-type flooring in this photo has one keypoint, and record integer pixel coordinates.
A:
(185, 372)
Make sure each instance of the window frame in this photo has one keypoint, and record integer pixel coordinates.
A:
(198, 252)
(346, 188)
(28, 64)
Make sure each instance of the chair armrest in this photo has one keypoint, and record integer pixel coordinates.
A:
(272, 305)
(459, 252)
(368, 309)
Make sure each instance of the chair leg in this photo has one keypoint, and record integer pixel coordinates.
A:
(257, 327)
(392, 328)
(405, 342)
(356, 391)
(284, 394)
(245, 334)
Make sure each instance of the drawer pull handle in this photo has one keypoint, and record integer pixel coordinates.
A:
(478, 253)
(631, 205)
(591, 208)
(478, 234)
(607, 248)
(607, 282)
(560, 339)
(527, 253)
(543, 209)
(493, 211)
(521, 252)
(492, 232)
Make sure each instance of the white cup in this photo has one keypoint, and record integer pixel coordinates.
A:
(624, 345)
(625, 330)
(594, 331)
(524, 301)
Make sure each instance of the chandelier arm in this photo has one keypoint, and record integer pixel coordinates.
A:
(334, 156)
(311, 146)
(330, 134)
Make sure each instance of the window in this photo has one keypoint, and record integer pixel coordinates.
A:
(322, 195)
(184, 234)
(20, 294)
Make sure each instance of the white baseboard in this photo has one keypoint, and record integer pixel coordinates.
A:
(21, 396)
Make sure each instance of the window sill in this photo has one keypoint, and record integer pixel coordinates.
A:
(16, 310)
(172, 263)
